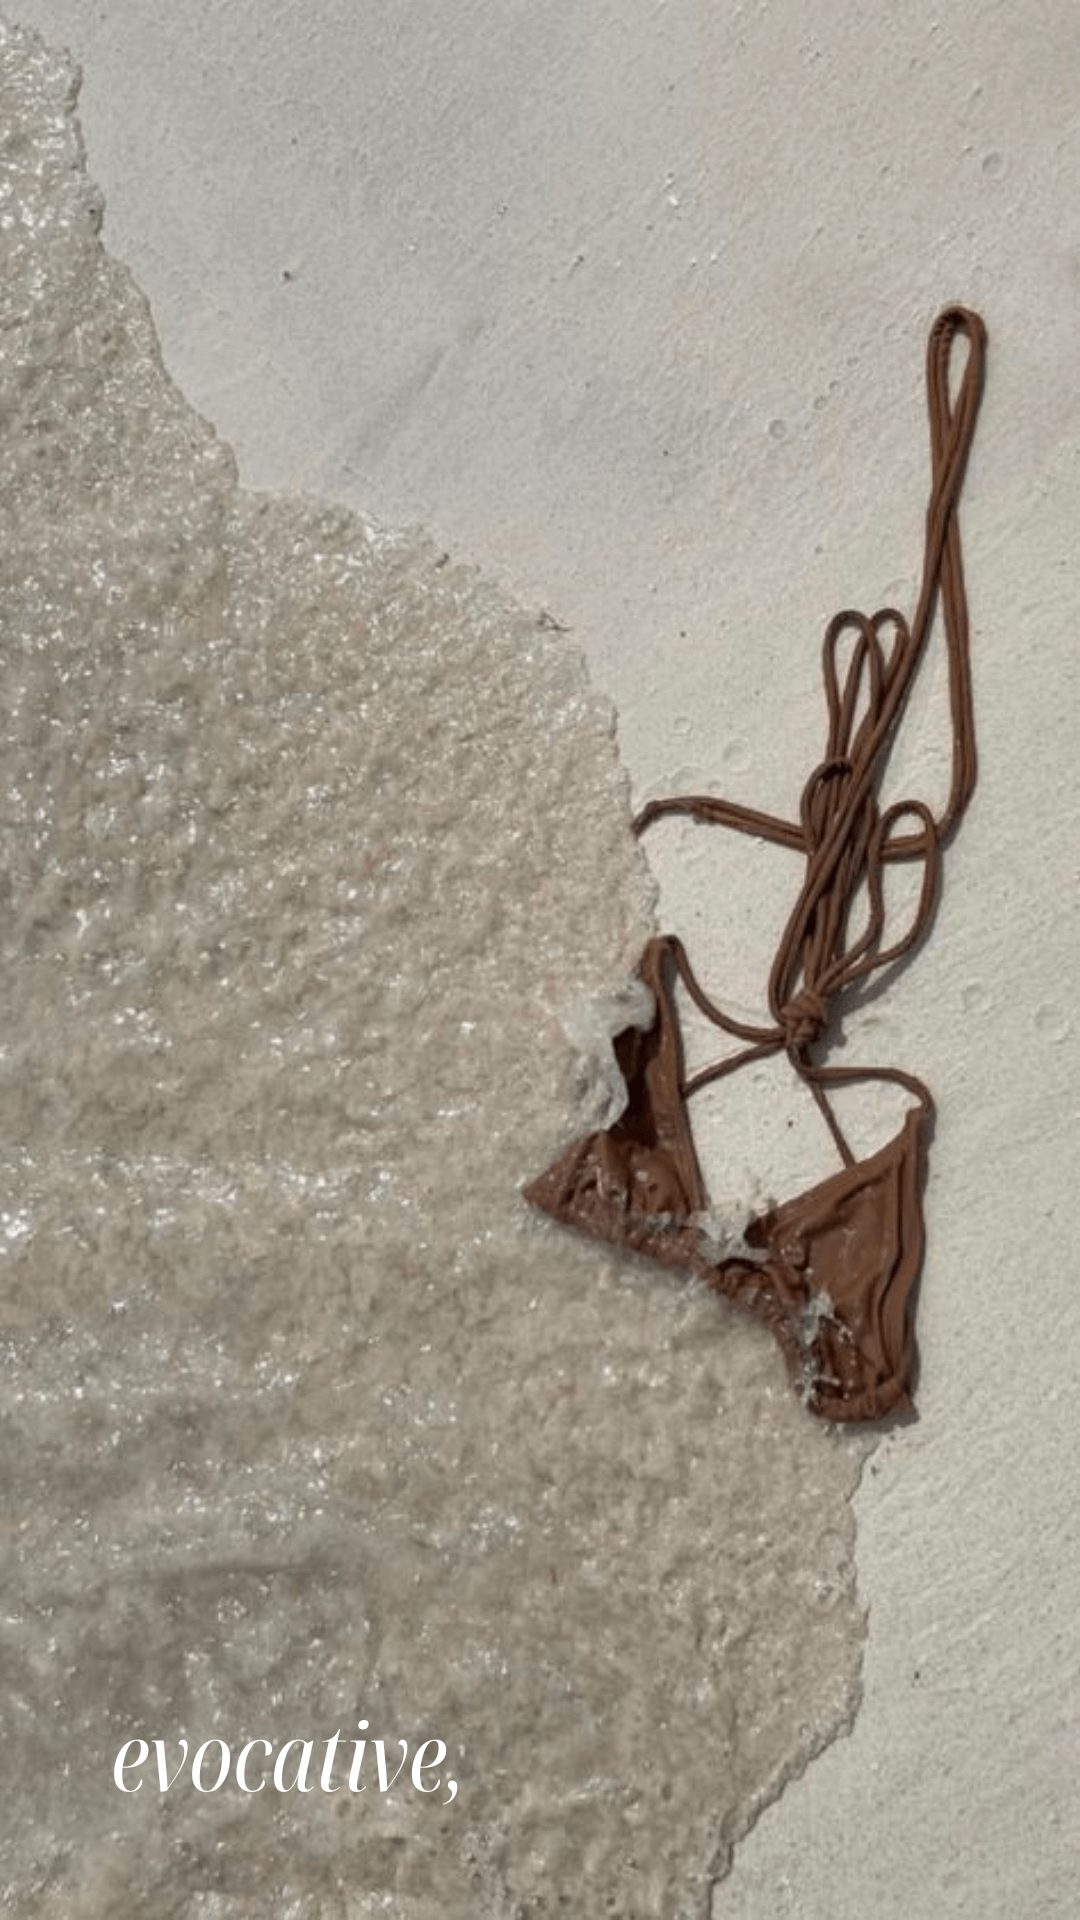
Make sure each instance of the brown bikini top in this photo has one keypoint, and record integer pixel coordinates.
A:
(832, 1273)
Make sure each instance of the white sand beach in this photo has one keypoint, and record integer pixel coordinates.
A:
(599, 335)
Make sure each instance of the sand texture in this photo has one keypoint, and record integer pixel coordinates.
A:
(312, 844)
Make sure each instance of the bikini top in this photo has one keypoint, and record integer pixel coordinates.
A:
(833, 1271)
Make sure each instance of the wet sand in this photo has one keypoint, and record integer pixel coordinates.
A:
(316, 846)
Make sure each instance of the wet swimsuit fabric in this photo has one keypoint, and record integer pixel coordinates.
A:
(832, 1272)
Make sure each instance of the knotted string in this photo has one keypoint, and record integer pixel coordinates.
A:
(846, 839)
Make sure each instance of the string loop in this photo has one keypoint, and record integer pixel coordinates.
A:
(847, 841)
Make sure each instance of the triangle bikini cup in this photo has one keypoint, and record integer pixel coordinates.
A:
(832, 1273)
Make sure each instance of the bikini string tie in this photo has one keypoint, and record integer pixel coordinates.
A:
(832, 1271)
(848, 842)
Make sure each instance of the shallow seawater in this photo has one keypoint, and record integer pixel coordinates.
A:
(313, 845)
